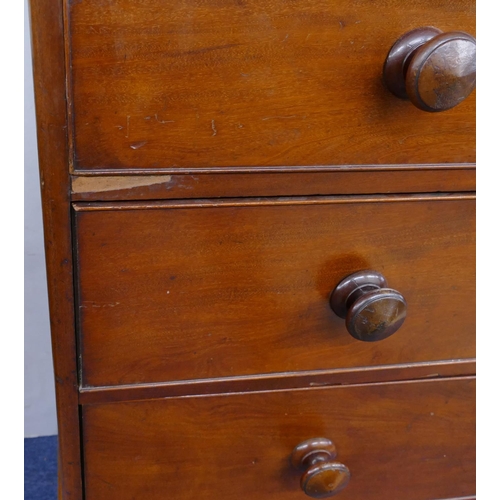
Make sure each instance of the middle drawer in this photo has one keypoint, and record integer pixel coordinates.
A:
(191, 290)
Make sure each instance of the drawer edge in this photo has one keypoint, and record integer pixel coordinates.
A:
(278, 381)
(156, 185)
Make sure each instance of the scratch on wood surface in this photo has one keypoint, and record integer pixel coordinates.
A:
(93, 304)
(138, 145)
(213, 128)
(278, 117)
(163, 121)
(128, 126)
(100, 184)
(203, 50)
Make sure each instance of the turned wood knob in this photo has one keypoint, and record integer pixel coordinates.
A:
(435, 70)
(323, 477)
(371, 310)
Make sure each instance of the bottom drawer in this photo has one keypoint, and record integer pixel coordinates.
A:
(405, 440)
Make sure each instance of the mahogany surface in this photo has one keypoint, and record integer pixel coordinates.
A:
(279, 381)
(191, 83)
(412, 441)
(303, 182)
(188, 290)
(53, 153)
(210, 171)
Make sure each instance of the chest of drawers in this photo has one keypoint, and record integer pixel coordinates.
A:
(260, 256)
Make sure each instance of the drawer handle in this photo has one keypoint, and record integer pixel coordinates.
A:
(323, 477)
(371, 310)
(435, 70)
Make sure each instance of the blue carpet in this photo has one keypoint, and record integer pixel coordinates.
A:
(40, 468)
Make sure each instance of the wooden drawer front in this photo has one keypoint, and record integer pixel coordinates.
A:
(411, 441)
(177, 291)
(191, 83)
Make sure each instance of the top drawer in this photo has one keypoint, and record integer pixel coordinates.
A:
(228, 83)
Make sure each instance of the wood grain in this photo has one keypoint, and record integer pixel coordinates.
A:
(166, 85)
(411, 441)
(342, 181)
(191, 290)
(52, 137)
(208, 348)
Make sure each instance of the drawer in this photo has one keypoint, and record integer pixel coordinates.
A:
(195, 84)
(412, 441)
(194, 290)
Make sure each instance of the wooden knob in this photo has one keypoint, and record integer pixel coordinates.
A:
(371, 310)
(435, 70)
(323, 477)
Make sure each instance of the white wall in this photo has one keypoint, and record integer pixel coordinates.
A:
(39, 397)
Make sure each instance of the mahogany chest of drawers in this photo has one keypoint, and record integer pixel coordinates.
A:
(259, 224)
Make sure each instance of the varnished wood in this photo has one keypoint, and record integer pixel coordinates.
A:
(194, 84)
(222, 288)
(52, 137)
(208, 347)
(461, 498)
(411, 440)
(349, 180)
(268, 201)
(279, 381)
